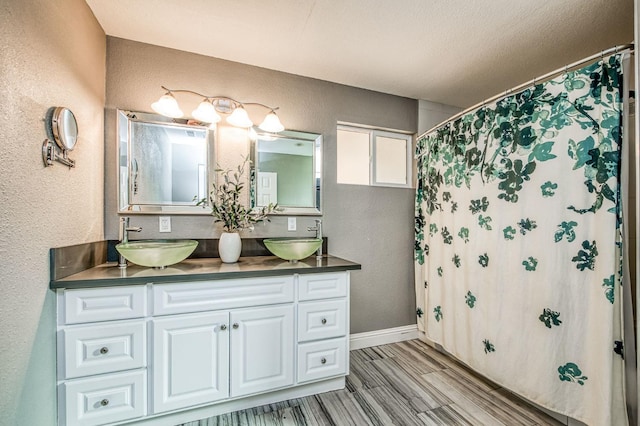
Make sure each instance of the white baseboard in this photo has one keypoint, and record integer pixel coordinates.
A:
(383, 337)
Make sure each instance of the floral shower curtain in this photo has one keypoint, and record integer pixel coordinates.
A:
(518, 242)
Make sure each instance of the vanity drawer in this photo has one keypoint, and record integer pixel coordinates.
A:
(103, 304)
(322, 320)
(103, 348)
(178, 298)
(319, 360)
(322, 286)
(104, 399)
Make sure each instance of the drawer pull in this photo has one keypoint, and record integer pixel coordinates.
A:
(324, 321)
(104, 350)
(223, 327)
(235, 325)
(323, 360)
(104, 402)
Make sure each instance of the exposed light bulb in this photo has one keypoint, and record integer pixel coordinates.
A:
(167, 106)
(239, 118)
(206, 112)
(271, 123)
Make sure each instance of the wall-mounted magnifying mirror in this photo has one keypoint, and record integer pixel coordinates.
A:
(163, 163)
(287, 170)
(64, 128)
(61, 127)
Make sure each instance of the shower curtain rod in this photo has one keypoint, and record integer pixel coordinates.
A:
(545, 77)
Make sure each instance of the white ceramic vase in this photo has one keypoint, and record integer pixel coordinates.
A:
(229, 247)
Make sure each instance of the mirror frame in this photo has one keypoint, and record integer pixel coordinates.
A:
(316, 138)
(64, 128)
(123, 149)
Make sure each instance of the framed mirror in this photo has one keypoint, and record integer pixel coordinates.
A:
(164, 164)
(287, 170)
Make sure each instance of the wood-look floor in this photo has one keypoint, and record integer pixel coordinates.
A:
(406, 383)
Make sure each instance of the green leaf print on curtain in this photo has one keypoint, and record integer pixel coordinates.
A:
(535, 236)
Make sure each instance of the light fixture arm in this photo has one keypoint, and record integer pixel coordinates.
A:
(212, 98)
(262, 105)
(206, 111)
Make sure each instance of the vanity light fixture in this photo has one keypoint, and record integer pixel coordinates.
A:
(240, 118)
(168, 106)
(207, 111)
(271, 123)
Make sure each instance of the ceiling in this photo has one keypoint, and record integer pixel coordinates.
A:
(456, 52)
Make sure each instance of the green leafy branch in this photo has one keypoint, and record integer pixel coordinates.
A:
(226, 206)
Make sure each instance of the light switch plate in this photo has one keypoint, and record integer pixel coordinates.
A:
(291, 224)
(165, 223)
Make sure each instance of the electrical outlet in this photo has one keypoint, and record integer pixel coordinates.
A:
(165, 224)
(291, 224)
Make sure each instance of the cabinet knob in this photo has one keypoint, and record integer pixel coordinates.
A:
(223, 327)
(104, 350)
(104, 402)
(324, 321)
(323, 360)
(235, 325)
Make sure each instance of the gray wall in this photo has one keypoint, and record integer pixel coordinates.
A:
(51, 54)
(372, 226)
(432, 113)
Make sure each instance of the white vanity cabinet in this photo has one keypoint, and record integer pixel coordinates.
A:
(203, 358)
(262, 349)
(102, 356)
(190, 360)
(128, 353)
(323, 326)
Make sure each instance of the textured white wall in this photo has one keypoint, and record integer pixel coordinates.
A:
(52, 53)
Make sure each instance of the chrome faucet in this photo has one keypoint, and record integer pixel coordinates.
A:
(123, 236)
(318, 231)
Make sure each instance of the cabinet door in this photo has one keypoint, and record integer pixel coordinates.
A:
(262, 349)
(190, 360)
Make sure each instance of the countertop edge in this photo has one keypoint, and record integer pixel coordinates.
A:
(77, 283)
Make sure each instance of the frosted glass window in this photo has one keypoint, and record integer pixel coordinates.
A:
(391, 160)
(374, 157)
(353, 157)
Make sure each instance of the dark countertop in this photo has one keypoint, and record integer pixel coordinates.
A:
(203, 269)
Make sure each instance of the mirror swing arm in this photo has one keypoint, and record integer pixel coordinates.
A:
(50, 154)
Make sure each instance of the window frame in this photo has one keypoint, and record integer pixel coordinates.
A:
(373, 134)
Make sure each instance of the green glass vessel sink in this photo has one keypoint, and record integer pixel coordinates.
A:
(156, 253)
(292, 249)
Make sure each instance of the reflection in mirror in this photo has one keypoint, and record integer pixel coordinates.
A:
(64, 127)
(163, 164)
(286, 169)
